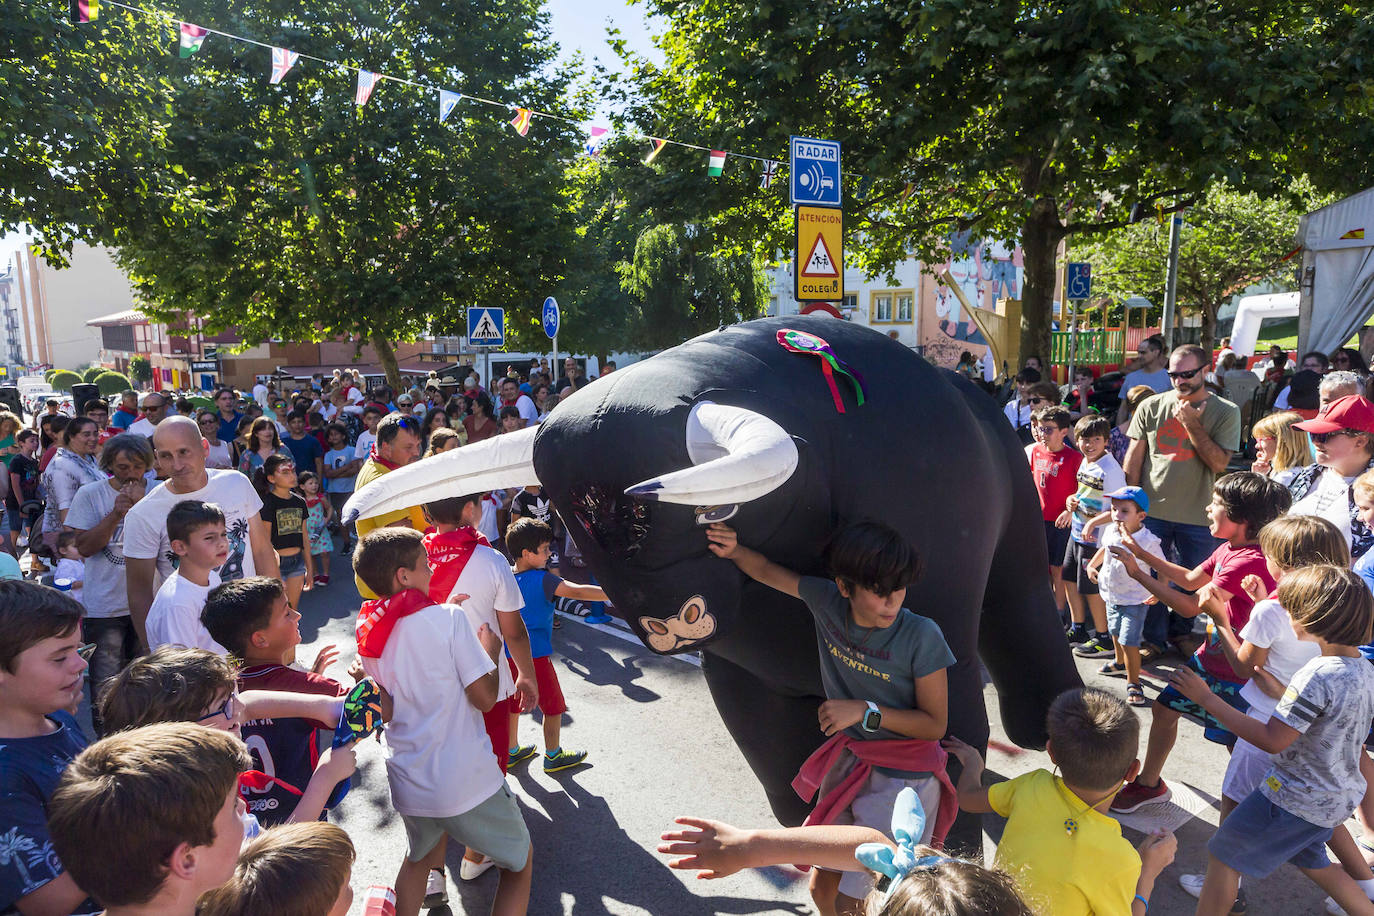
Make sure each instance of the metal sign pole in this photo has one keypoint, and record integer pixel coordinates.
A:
(553, 366)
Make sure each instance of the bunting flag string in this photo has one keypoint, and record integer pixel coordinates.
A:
(447, 102)
(192, 37)
(595, 136)
(282, 62)
(715, 165)
(367, 81)
(521, 121)
(657, 145)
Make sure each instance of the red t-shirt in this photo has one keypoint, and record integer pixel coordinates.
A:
(1228, 566)
(284, 748)
(1056, 477)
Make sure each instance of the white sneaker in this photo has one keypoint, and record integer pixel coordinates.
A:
(1333, 907)
(1191, 884)
(470, 870)
(436, 889)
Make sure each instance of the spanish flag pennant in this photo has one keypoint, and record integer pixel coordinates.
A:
(521, 121)
(657, 145)
(84, 10)
(1354, 234)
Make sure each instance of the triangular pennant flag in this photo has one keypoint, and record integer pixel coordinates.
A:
(716, 163)
(1354, 234)
(770, 171)
(84, 10)
(521, 121)
(447, 102)
(282, 61)
(906, 191)
(594, 137)
(367, 80)
(657, 148)
(192, 37)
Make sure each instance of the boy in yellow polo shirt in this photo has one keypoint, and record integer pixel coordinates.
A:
(397, 444)
(1066, 853)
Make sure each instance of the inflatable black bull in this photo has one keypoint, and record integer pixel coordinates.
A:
(733, 427)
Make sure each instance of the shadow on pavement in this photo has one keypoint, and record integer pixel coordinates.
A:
(612, 866)
(598, 667)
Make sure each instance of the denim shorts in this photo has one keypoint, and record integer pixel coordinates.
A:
(1126, 622)
(1259, 836)
(292, 566)
(1212, 730)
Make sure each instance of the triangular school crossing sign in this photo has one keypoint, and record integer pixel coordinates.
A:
(819, 263)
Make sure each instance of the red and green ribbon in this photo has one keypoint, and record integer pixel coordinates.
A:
(810, 345)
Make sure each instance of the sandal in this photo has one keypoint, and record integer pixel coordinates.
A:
(1112, 669)
(1135, 695)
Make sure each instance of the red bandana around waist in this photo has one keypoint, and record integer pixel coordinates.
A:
(449, 552)
(378, 618)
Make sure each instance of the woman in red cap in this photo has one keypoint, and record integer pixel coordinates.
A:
(1344, 439)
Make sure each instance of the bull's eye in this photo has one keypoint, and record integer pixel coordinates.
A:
(618, 523)
(707, 515)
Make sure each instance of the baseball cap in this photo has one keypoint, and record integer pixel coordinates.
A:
(1135, 495)
(1349, 412)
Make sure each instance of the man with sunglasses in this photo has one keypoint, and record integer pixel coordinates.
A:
(398, 444)
(1181, 441)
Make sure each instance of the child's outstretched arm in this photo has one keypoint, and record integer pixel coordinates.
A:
(1272, 736)
(278, 704)
(724, 543)
(717, 849)
(568, 589)
(1181, 602)
(927, 721)
(336, 764)
(973, 797)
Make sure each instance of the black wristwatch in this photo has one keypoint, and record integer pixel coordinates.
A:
(873, 719)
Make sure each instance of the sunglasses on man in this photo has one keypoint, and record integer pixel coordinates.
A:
(1185, 373)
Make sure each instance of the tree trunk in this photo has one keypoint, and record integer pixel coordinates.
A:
(1040, 238)
(1208, 330)
(386, 355)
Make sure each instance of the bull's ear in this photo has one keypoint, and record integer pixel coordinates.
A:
(737, 456)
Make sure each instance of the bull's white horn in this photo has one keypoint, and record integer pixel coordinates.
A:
(737, 455)
(496, 463)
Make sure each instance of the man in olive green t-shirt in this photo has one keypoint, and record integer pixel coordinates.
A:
(1181, 441)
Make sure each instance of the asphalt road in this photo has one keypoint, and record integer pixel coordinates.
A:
(658, 750)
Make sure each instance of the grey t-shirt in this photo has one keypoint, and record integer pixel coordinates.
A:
(1330, 701)
(878, 665)
(105, 592)
(1156, 381)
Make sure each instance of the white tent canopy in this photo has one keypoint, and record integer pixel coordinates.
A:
(1337, 283)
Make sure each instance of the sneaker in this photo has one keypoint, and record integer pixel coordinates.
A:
(1077, 634)
(521, 754)
(598, 618)
(436, 889)
(1192, 885)
(470, 869)
(321, 581)
(1097, 647)
(563, 760)
(1135, 796)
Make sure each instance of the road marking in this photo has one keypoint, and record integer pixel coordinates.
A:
(620, 631)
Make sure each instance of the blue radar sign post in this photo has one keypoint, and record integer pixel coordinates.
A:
(553, 320)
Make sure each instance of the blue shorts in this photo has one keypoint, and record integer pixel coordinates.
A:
(293, 566)
(1212, 730)
(1259, 836)
(1057, 540)
(1126, 623)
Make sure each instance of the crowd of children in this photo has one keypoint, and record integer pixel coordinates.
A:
(456, 645)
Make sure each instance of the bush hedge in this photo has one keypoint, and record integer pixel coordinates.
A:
(64, 379)
(112, 383)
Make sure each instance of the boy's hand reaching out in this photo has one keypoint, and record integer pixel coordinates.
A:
(714, 848)
(326, 657)
(966, 754)
(490, 641)
(1187, 682)
(1064, 520)
(722, 540)
(1157, 852)
(1254, 587)
(339, 762)
(1127, 560)
(837, 715)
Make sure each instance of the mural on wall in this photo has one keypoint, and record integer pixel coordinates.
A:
(985, 271)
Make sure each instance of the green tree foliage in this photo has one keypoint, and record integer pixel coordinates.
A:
(1229, 240)
(48, 374)
(141, 369)
(83, 114)
(64, 379)
(92, 372)
(1018, 120)
(111, 383)
(304, 216)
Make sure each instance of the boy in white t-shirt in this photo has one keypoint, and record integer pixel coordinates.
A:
(1098, 475)
(1126, 600)
(441, 675)
(368, 437)
(196, 532)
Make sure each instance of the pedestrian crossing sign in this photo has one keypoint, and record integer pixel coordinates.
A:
(487, 327)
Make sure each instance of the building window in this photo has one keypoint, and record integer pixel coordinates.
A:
(850, 302)
(882, 307)
(903, 307)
